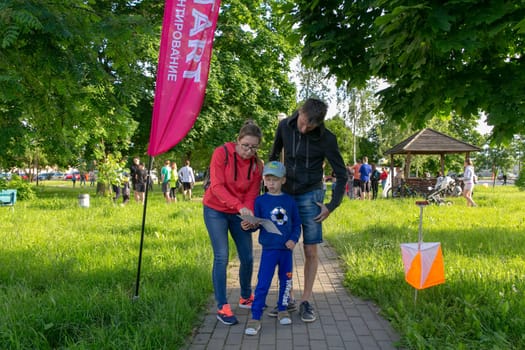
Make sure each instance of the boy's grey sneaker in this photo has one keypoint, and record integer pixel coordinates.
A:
(307, 312)
(284, 317)
(253, 327)
(292, 306)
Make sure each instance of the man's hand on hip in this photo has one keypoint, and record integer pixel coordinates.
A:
(323, 214)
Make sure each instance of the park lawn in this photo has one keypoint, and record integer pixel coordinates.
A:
(481, 304)
(68, 274)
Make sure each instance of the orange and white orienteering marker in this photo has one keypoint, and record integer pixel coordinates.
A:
(423, 262)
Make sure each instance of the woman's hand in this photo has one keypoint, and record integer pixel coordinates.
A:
(246, 211)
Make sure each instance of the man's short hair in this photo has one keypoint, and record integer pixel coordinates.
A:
(315, 111)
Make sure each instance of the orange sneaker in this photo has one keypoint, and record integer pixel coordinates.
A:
(226, 316)
(246, 303)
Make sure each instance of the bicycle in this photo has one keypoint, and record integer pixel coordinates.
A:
(401, 191)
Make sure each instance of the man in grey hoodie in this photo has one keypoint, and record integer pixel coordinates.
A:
(306, 143)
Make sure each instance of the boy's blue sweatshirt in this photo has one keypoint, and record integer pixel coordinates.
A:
(282, 210)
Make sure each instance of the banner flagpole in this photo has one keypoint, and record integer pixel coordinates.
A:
(137, 283)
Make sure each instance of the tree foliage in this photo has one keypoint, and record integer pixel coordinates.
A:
(312, 83)
(358, 106)
(72, 72)
(248, 78)
(501, 160)
(344, 137)
(77, 78)
(457, 57)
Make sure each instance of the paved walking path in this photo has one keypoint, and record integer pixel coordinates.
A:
(343, 321)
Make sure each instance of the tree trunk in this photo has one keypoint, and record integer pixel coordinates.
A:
(102, 189)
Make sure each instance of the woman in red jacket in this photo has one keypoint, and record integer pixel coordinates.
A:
(383, 177)
(235, 174)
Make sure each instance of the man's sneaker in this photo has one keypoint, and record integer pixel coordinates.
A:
(246, 303)
(226, 316)
(253, 327)
(307, 312)
(292, 306)
(284, 317)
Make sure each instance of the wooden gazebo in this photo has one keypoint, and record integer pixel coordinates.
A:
(428, 141)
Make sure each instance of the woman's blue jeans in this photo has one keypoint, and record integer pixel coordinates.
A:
(218, 224)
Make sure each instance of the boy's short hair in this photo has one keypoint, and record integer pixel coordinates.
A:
(274, 168)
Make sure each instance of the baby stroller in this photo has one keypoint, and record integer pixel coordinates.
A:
(445, 186)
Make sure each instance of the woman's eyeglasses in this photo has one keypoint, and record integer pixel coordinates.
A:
(248, 147)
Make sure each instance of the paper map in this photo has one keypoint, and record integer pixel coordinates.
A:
(267, 224)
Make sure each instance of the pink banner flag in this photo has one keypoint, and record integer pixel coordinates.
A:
(184, 62)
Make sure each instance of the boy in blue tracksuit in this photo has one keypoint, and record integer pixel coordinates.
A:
(277, 250)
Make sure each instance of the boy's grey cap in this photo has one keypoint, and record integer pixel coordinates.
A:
(274, 168)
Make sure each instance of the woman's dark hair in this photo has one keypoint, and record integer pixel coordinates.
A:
(249, 128)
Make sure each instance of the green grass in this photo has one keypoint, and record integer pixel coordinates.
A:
(67, 274)
(481, 304)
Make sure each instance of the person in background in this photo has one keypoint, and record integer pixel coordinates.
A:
(82, 179)
(133, 174)
(334, 181)
(439, 176)
(468, 182)
(364, 179)
(165, 174)
(149, 180)
(383, 177)
(399, 179)
(116, 184)
(350, 182)
(235, 183)
(141, 178)
(277, 249)
(125, 189)
(92, 178)
(306, 143)
(174, 180)
(357, 179)
(374, 181)
(187, 177)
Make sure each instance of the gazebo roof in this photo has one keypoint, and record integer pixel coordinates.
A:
(429, 141)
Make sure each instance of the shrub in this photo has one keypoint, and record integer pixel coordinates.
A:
(24, 190)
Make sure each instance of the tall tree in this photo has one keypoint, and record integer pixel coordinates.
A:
(344, 136)
(458, 56)
(312, 83)
(357, 107)
(502, 159)
(77, 77)
(248, 78)
(72, 71)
